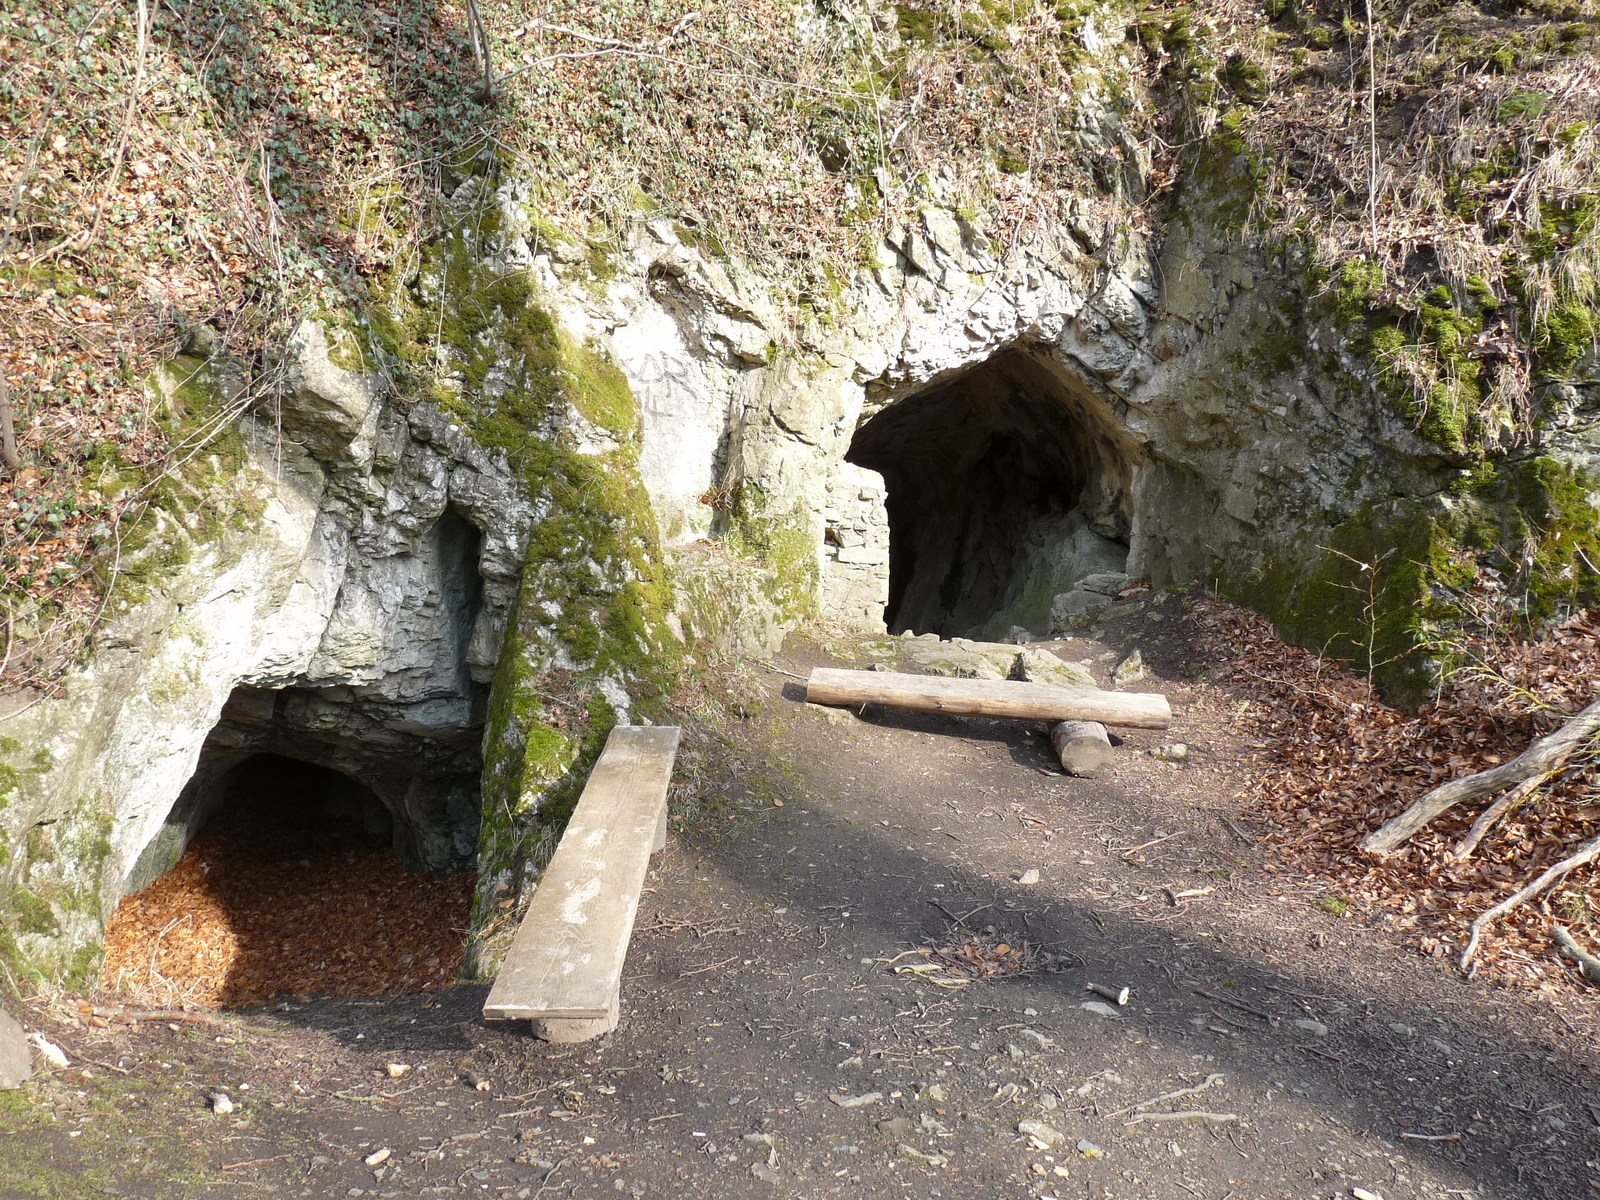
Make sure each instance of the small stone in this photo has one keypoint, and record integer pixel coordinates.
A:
(1014, 1052)
(761, 1139)
(1029, 877)
(932, 1160)
(1037, 1038)
(1099, 1007)
(1401, 1030)
(475, 1081)
(378, 1157)
(1314, 1028)
(1363, 1194)
(1129, 670)
(1173, 752)
(1439, 1044)
(937, 1128)
(1090, 1150)
(860, 1101)
(765, 1173)
(853, 1063)
(896, 1127)
(934, 1092)
(396, 1070)
(220, 1103)
(1046, 1135)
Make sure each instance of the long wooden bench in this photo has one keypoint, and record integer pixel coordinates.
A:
(564, 968)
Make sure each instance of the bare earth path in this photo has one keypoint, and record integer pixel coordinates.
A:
(770, 1048)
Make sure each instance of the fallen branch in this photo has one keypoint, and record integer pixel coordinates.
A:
(1210, 1081)
(1567, 946)
(1210, 1118)
(1490, 816)
(1586, 853)
(1541, 758)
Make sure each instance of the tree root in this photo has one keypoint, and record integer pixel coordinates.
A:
(1540, 759)
(1491, 815)
(1586, 853)
(1567, 946)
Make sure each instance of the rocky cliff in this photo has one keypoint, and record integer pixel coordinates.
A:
(439, 529)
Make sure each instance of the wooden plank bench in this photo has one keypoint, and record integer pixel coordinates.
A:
(564, 968)
(988, 698)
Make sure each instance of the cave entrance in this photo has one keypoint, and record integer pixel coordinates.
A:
(291, 885)
(326, 838)
(1008, 490)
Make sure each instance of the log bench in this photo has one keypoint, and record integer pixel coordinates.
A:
(987, 698)
(564, 968)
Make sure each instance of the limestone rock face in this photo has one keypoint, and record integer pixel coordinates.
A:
(354, 624)
(16, 1059)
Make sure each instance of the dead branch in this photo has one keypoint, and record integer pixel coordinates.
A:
(1209, 1118)
(1567, 946)
(1541, 758)
(1586, 853)
(1491, 815)
(1210, 1081)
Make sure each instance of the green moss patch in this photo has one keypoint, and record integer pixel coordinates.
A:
(590, 617)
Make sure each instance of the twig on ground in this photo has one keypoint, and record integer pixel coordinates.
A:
(1239, 1004)
(1209, 1118)
(1129, 850)
(1210, 1081)
(1431, 1137)
(1491, 815)
(1584, 854)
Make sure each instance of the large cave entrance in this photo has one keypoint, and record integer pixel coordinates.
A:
(1009, 486)
(326, 839)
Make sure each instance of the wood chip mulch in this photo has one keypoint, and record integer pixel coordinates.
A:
(1342, 762)
(273, 900)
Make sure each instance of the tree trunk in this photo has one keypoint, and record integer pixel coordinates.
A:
(8, 429)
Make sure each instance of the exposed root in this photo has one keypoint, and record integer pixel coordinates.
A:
(1587, 853)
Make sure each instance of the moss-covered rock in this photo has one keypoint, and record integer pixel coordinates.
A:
(588, 640)
(1365, 594)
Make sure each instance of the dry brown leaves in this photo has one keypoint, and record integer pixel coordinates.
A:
(260, 905)
(987, 957)
(1344, 762)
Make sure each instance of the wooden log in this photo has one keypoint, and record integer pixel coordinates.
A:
(1541, 758)
(1083, 748)
(988, 698)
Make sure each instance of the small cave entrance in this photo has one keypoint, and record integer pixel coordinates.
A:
(1007, 486)
(289, 886)
(326, 840)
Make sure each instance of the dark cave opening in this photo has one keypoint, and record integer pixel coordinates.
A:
(1007, 485)
(290, 887)
(351, 788)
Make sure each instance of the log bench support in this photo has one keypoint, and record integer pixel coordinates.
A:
(564, 969)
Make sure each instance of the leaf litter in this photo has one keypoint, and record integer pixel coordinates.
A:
(1341, 762)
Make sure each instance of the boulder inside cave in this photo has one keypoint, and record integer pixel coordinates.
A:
(1009, 499)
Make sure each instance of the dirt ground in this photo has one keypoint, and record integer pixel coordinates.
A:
(788, 1030)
